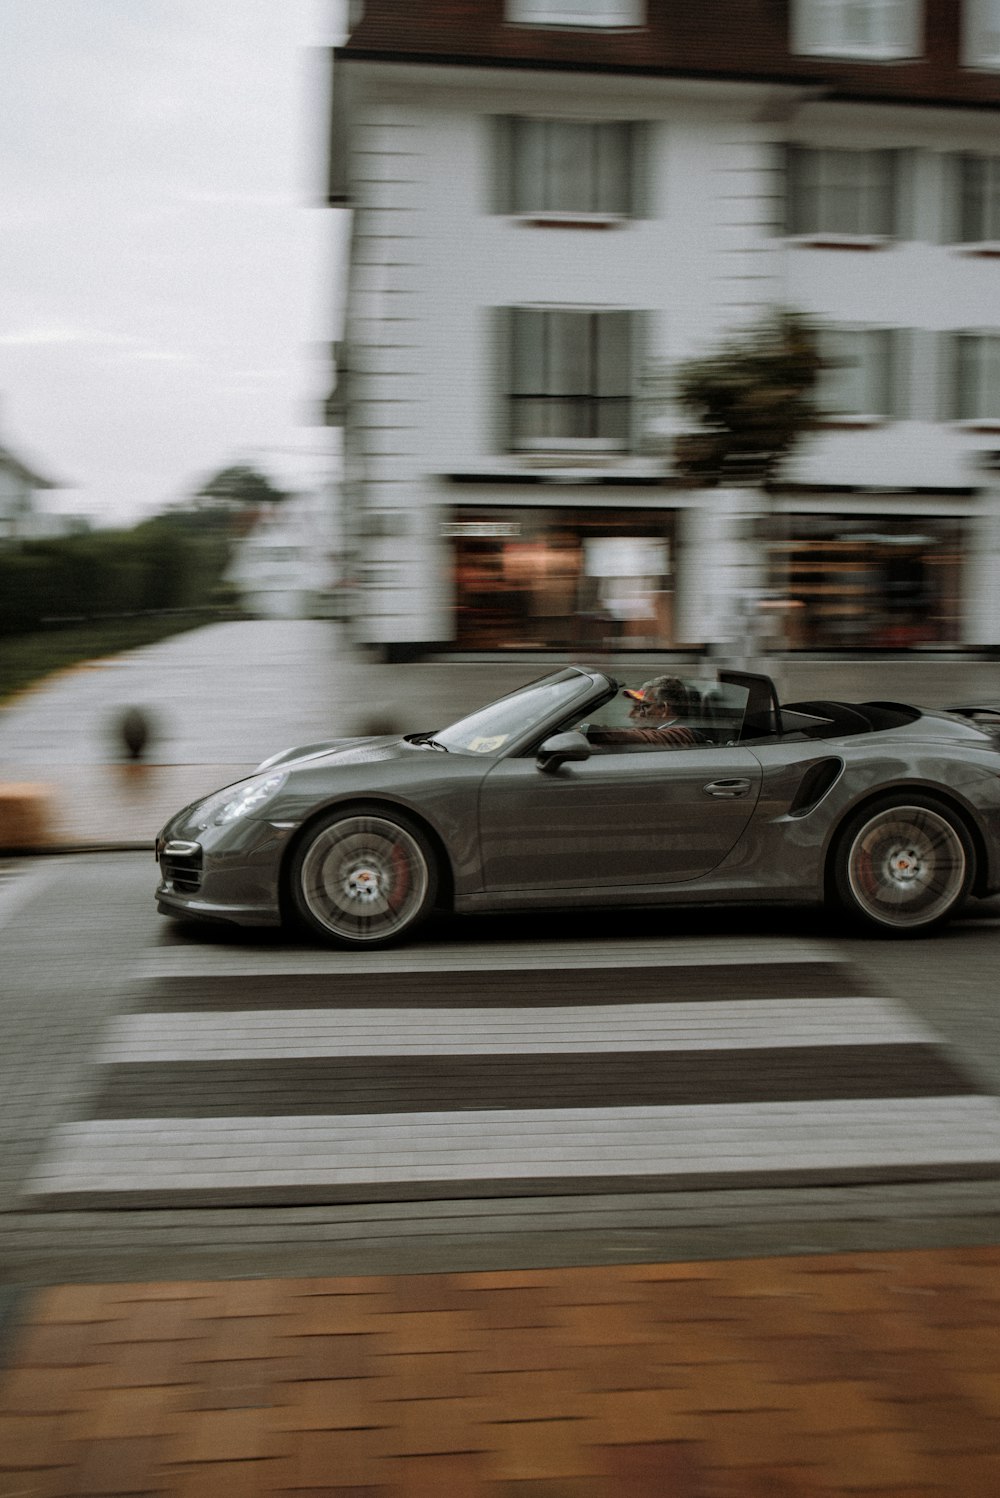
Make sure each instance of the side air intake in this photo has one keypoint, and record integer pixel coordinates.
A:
(814, 785)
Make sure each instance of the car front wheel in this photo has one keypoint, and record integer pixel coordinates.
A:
(903, 867)
(364, 877)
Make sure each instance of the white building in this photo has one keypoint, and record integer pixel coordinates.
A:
(20, 485)
(550, 199)
(286, 566)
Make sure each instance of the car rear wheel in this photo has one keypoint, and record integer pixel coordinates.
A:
(364, 878)
(903, 867)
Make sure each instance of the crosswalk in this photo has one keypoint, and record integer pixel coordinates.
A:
(239, 1076)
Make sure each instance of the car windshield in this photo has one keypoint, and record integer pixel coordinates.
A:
(491, 729)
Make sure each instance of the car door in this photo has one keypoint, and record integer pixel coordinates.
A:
(639, 818)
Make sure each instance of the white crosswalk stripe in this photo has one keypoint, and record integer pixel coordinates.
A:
(311, 1087)
(490, 1031)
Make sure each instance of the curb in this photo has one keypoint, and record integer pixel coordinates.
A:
(47, 850)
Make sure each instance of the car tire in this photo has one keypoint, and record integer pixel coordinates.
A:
(364, 877)
(904, 865)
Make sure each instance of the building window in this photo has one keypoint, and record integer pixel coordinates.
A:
(570, 378)
(977, 377)
(857, 380)
(567, 167)
(981, 34)
(841, 193)
(615, 13)
(881, 29)
(979, 199)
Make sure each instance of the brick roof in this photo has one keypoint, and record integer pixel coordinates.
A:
(737, 39)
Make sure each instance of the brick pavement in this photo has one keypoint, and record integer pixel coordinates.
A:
(848, 1373)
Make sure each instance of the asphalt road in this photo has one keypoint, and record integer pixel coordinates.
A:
(82, 944)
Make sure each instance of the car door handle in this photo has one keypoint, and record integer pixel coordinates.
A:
(727, 790)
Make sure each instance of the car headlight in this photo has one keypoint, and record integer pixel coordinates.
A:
(239, 800)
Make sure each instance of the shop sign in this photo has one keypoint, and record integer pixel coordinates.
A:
(482, 530)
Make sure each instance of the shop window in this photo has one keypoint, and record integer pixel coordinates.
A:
(858, 377)
(566, 168)
(566, 579)
(569, 378)
(861, 582)
(843, 194)
(614, 13)
(976, 377)
(981, 34)
(878, 29)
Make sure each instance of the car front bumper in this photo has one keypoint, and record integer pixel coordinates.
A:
(222, 874)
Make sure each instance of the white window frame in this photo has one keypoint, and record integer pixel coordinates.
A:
(588, 400)
(826, 28)
(979, 351)
(877, 341)
(823, 163)
(981, 34)
(617, 15)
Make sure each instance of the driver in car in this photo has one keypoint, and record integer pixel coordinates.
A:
(657, 707)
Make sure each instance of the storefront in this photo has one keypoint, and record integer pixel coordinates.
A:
(855, 582)
(552, 578)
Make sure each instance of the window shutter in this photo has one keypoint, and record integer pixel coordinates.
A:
(981, 32)
(503, 164)
(793, 216)
(948, 202)
(888, 168)
(876, 348)
(614, 375)
(900, 374)
(637, 333)
(924, 381)
(535, 181)
(642, 155)
(500, 336)
(972, 197)
(807, 26)
(904, 206)
(949, 402)
(906, 29)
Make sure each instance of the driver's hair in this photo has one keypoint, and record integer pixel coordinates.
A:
(670, 689)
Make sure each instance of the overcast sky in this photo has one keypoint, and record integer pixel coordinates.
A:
(167, 274)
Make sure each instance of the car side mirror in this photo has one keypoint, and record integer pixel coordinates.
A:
(560, 748)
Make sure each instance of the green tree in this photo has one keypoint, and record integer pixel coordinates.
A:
(241, 487)
(753, 398)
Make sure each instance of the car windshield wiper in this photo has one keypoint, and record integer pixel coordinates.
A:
(427, 741)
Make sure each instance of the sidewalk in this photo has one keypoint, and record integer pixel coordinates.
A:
(218, 701)
(864, 1372)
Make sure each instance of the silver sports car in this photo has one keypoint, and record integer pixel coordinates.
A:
(889, 811)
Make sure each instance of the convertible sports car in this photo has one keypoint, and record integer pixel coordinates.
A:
(892, 812)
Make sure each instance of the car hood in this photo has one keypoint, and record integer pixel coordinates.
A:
(340, 752)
